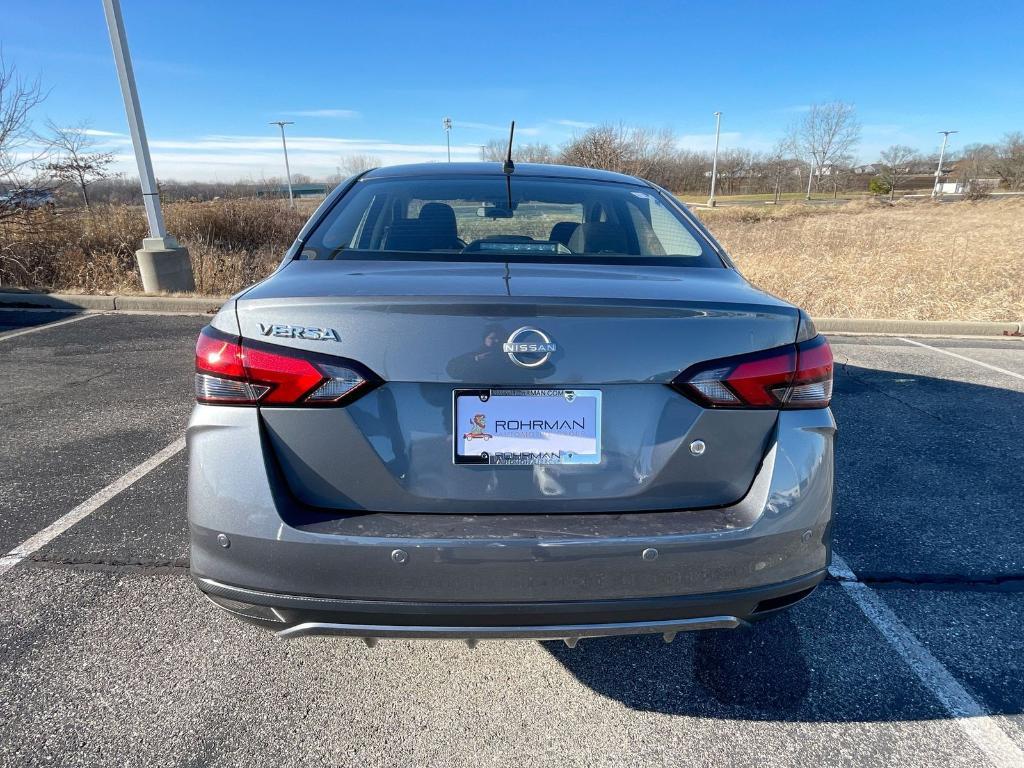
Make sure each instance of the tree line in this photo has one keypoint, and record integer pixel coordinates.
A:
(815, 155)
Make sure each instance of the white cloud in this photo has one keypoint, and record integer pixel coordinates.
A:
(335, 113)
(95, 132)
(242, 156)
(574, 124)
(478, 126)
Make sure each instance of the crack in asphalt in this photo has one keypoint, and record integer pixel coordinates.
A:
(876, 388)
(998, 582)
(110, 565)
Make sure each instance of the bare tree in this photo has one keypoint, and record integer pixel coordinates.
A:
(825, 133)
(778, 165)
(18, 157)
(350, 165)
(636, 151)
(1009, 161)
(839, 173)
(976, 162)
(533, 153)
(603, 146)
(495, 149)
(684, 170)
(73, 159)
(895, 164)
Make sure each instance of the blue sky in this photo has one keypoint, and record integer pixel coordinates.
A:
(378, 77)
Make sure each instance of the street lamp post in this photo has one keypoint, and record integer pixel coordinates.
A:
(447, 124)
(163, 264)
(714, 162)
(287, 169)
(942, 154)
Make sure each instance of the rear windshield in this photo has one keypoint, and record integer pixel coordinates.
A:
(489, 218)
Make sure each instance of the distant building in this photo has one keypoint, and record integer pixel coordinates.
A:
(300, 191)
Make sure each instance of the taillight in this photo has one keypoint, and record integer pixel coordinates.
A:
(794, 376)
(233, 371)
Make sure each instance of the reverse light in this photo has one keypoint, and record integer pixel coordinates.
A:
(234, 371)
(789, 377)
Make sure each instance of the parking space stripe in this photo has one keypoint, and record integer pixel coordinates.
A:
(33, 329)
(87, 507)
(995, 368)
(972, 717)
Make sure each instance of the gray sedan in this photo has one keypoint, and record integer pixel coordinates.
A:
(482, 401)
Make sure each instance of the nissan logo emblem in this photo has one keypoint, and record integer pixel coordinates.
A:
(529, 347)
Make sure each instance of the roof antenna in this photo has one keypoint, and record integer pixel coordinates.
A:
(509, 165)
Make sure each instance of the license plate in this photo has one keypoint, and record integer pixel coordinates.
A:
(524, 427)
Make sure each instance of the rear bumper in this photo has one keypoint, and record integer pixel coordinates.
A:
(297, 616)
(564, 575)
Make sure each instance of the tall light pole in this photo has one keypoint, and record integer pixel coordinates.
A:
(714, 163)
(287, 169)
(163, 264)
(942, 154)
(447, 124)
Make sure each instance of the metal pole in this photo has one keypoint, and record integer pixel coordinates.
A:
(447, 124)
(942, 154)
(810, 175)
(714, 163)
(125, 73)
(284, 144)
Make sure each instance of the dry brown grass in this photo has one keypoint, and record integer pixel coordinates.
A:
(912, 260)
(918, 260)
(233, 243)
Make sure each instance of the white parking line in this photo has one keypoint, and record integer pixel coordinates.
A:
(33, 329)
(995, 368)
(87, 507)
(969, 713)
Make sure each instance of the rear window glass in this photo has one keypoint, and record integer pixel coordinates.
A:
(521, 219)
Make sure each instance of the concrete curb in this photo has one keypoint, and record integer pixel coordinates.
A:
(918, 327)
(208, 305)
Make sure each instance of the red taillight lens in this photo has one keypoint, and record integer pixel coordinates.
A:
(290, 378)
(794, 376)
(233, 371)
(219, 354)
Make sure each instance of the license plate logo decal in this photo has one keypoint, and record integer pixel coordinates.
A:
(527, 427)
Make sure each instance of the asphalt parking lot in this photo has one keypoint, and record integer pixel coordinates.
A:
(912, 654)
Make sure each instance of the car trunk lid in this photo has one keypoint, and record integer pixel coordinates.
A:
(428, 329)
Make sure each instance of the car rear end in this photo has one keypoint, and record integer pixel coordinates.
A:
(508, 437)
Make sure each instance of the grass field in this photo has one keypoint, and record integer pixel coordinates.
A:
(912, 260)
(786, 197)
